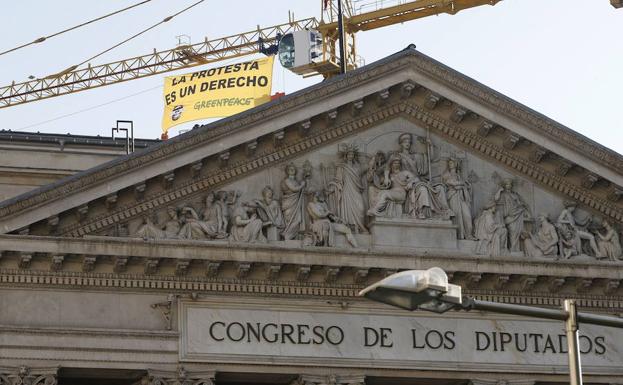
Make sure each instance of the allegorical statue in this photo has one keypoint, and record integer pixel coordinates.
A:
(325, 224)
(388, 200)
(491, 234)
(192, 226)
(513, 211)
(348, 189)
(269, 211)
(570, 244)
(214, 223)
(413, 161)
(376, 169)
(427, 199)
(608, 243)
(225, 199)
(459, 195)
(567, 221)
(544, 242)
(208, 226)
(172, 224)
(149, 230)
(246, 226)
(293, 203)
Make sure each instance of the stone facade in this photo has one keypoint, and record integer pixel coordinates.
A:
(30, 160)
(234, 253)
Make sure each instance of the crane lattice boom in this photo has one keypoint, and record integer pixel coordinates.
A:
(209, 51)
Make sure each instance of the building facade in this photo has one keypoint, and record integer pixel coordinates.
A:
(30, 160)
(233, 254)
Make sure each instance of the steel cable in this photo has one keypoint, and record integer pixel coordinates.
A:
(166, 19)
(44, 38)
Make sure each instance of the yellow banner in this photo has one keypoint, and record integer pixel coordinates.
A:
(216, 92)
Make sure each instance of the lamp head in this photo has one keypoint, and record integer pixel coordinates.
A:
(416, 289)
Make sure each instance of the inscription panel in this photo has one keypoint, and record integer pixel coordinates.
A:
(216, 333)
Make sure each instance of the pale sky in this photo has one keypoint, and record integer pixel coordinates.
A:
(563, 58)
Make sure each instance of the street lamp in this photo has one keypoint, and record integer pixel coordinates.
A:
(429, 290)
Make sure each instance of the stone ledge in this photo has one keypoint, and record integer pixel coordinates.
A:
(107, 249)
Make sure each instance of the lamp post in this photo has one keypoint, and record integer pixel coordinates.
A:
(430, 290)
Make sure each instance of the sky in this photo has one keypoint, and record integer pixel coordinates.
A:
(562, 58)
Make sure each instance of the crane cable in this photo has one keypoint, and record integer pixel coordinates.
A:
(166, 19)
(44, 38)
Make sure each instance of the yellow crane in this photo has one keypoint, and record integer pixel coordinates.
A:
(263, 40)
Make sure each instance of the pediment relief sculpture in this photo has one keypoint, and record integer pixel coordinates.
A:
(418, 162)
(492, 235)
(405, 186)
(512, 211)
(371, 188)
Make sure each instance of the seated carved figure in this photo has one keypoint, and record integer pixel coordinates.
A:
(148, 230)
(388, 200)
(608, 243)
(402, 191)
(492, 236)
(195, 228)
(569, 244)
(246, 226)
(543, 243)
(324, 224)
(567, 222)
(269, 211)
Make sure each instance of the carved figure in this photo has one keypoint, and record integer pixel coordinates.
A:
(401, 190)
(513, 210)
(269, 212)
(609, 244)
(324, 224)
(459, 195)
(292, 203)
(426, 198)
(492, 236)
(376, 169)
(567, 221)
(149, 230)
(214, 220)
(194, 228)
(543, 243)
(388, 201)
(569, 242)
(348, 188)
(226, 199)
(172, 225)
(246, 226)
(413, 161)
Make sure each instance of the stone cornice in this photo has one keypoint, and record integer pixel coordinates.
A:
(408, 59)
(340, 296)
(503, 104)
(107, 249)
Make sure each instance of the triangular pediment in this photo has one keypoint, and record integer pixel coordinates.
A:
(492, 137)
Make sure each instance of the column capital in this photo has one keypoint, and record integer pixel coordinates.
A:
(24, 375)
(500, 382)
(331, 379)
(179, 377)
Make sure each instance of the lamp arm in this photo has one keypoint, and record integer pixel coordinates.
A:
(469, 303)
